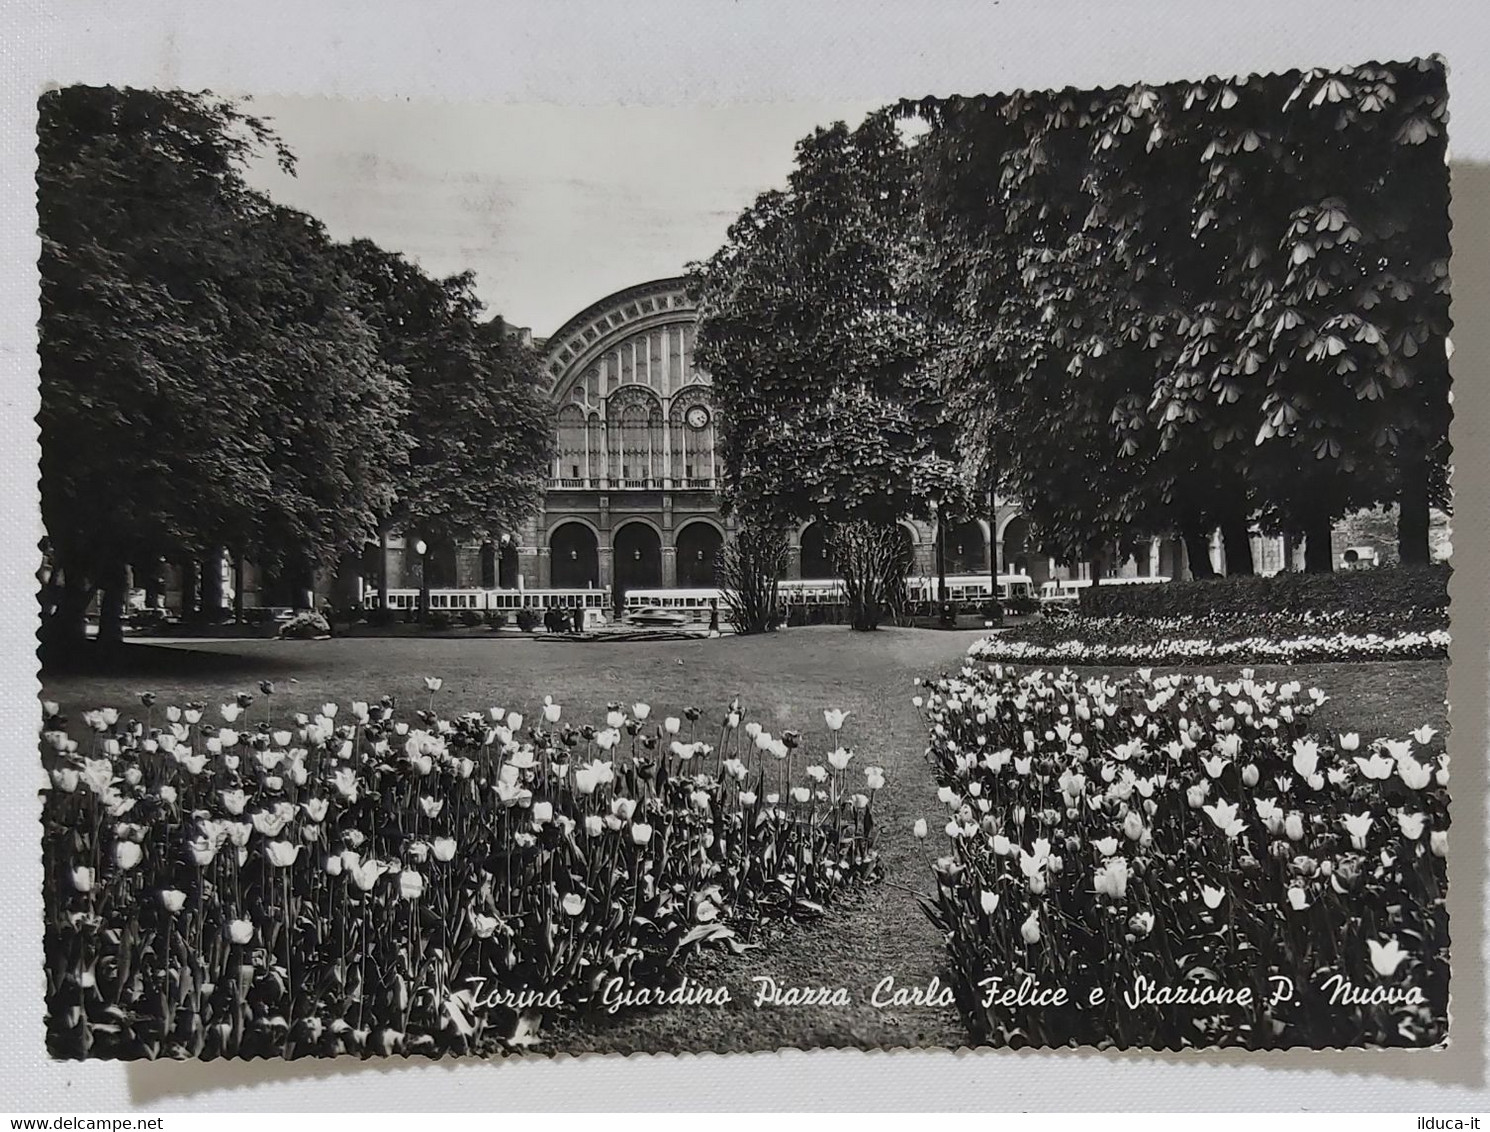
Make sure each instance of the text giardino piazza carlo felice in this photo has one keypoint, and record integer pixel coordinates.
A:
(889, 993)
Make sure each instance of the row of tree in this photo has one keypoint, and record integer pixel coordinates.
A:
(217, 374)
(1144, 310)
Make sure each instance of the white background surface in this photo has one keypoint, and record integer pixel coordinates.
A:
(676, 52)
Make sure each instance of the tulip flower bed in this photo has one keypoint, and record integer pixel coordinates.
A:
(224, 883)
(1278, 638)
(1176, 860)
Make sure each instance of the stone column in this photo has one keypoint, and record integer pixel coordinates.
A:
(925, 556)
(668, 471)
(532, 551)
(668, 542)
(527, 565)
(468, 565)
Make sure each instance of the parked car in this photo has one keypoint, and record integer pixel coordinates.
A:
(657, 616)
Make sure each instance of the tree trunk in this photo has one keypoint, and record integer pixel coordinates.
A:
(1198, 553)
(238, 588)
(383, 568)
(1097, 564)
(1237, 541)
(943, 608)
(1319, 548)
(1412, 514)
(1288, 551)
(993, 608)
(305, 585)
(151, 573)
(941, 560)
(191, 590)
(69, 623)
(111, 605)
(212, 595)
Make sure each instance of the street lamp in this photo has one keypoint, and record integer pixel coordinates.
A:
(996, 595)
(941, 559)
(421, 548)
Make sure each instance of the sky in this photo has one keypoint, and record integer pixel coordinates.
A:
(553, 207)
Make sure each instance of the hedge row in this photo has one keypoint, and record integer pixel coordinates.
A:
(1393, 590)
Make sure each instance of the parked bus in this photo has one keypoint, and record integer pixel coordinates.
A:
(969, 588)
(1062, 591)
(456, 600)
(1067, 591)
(696, 603)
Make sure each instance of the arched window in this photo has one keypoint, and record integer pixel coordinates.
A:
(573, 557)
(654, 444)
(698, 546)
(678, 439)
(966, 548)
(595, 433)
(613, 437)
(571, 449)
(817, 558)
(636, 453)
(637, 556)
(702, 456)
(1016, 548)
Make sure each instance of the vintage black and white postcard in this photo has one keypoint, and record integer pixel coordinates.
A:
(533, 579)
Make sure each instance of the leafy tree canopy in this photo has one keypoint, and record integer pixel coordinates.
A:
(1231, 290)
(479, 420)
(217, 373)
(205, 381)
(819, 355)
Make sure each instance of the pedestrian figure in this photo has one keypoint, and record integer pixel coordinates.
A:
(713, 615)
(579, 618)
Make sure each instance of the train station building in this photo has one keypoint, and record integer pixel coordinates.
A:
(632, 492)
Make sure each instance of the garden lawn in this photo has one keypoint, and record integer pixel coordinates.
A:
(784, 681)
